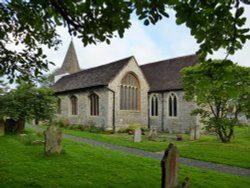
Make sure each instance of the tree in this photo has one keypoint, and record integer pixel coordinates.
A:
(221, 90)
(215, 24)
(26, 102)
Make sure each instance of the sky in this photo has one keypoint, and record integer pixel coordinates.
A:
(147, 44)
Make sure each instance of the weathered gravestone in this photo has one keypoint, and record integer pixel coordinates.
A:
(1, 127)
(53, 140)
(194, 133)
(170, 167)
(137, 135)
(152, 135)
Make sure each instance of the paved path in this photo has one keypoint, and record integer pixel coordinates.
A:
(191, 162)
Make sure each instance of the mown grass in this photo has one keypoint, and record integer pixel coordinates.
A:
(82, 165)
(207, 148)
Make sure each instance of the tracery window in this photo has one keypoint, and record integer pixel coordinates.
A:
(154, 106)
(129, 93)
(172, 105)
(94, 105)
(74, 105)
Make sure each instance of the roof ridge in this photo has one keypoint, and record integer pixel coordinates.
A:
(166, 60)
(100, 66)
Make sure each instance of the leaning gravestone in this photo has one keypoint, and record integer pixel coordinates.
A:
(170, 167)
(53, 140)
(137, 135)
(152, 135)
(1, 127)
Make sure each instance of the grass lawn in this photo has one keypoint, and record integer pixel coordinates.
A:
(208, 148)
(82, 165)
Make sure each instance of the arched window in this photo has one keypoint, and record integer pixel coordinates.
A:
(129, 93)
(94, 105)
(172, 105)
(59, 106)
(154, 106)
(74, 105)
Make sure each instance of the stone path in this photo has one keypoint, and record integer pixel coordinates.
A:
(158, 155)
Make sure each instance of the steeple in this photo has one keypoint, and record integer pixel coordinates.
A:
(70, 64)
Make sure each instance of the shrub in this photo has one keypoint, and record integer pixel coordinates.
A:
(62, 122)
(122, 130)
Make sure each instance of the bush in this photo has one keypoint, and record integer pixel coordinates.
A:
(131, 128)
(62, 122)
(122, 130)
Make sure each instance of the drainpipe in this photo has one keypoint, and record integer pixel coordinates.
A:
(149, 106)
(113, 110)
(162, 111)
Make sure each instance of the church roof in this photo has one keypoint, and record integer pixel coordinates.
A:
(70, 64)
(93, 77)
(165, 75)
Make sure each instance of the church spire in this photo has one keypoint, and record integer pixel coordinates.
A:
(70, 64)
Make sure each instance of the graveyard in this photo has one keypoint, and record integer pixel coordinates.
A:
(207, 148)
(23, 163)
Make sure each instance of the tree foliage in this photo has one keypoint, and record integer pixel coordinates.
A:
(47, 80)
(222, 91)
(27, 102)
(31, 24)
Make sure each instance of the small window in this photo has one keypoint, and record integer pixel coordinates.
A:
(59, 106)
(154, 106)
(74, 105)
(172, 105)
(94, 105)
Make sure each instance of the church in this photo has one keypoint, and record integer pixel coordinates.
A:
(122, 92)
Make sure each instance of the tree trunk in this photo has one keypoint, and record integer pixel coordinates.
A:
(20, 126)
(224, 137)
(14, 127)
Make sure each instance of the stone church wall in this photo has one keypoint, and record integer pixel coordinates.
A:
(83, 116)
(179, 124)
(123, 118)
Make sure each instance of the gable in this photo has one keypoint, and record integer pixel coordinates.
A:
(133, 68)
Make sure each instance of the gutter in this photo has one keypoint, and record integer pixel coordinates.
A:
(162, 110)
(149, 115)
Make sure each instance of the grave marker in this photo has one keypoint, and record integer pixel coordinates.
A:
(53, 139)
(137, 135)
(170, 167)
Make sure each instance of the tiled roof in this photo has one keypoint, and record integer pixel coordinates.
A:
(97, 76)
(165, 75)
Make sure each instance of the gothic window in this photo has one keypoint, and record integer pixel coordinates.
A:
(94, 105)
(74, 105)
(59, 106)
(172, 105)
(154, 106)
(129, 93)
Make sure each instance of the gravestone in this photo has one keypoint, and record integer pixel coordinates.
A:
(53, 140)
(194, 133)
(152, 135)
(137, 135)
(1, 127)
(170, 167)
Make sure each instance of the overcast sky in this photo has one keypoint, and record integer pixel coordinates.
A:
(147, 43)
